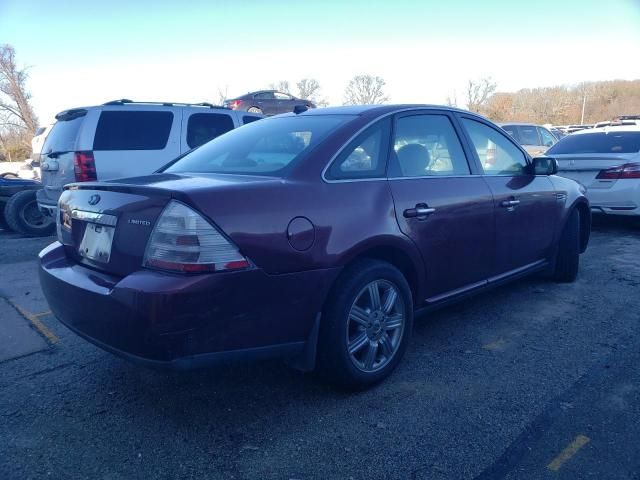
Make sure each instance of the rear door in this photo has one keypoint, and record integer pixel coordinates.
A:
(526, 205)
(131, 142)
(201, 126)
(441, 202)
(267, 102)
(57, 158)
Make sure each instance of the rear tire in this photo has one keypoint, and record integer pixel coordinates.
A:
(568, 258)
(366, 325)
(254, 110)
(23, 216)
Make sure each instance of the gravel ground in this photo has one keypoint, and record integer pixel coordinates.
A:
(531, 380)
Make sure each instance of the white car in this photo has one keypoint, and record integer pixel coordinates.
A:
(607, 162)
(38, 141)
(125, 139)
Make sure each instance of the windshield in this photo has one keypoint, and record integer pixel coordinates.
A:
(266, 147)
(600, 142)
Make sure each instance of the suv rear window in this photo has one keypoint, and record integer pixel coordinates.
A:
(64, 133)
(600, 142)
(128, 130)
(203, 127)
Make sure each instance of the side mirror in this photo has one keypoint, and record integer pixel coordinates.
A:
(544, 166)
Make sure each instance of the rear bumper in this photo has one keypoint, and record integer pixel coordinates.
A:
(623, 198)
(174, 321)
(45, 205)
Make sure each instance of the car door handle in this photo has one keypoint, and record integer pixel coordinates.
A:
(509, 203)
(420, 210)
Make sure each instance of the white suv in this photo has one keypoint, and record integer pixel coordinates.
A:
(125, 139)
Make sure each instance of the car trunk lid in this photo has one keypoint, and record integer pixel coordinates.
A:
(585, 167)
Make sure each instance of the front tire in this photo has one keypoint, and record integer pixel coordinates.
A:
(366, 325)
(568, 258)
(23, 216)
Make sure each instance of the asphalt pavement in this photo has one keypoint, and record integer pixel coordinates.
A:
(534, 380)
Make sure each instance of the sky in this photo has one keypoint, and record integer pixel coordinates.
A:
(82, 52)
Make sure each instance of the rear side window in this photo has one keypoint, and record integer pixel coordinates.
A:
(365, 157)
(249, 118)
(203, 127)
(64, 134)
(133, 130)
(600, 142)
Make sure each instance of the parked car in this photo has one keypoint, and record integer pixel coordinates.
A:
(18, 207)
(38, 141)
(607, 162)
(534, 138)
(124, 139)
(267, 102)
(558, 133)
(313, 237)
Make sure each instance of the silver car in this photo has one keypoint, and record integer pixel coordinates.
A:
(533, 138)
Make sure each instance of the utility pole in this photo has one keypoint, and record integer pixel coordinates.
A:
(584, 102)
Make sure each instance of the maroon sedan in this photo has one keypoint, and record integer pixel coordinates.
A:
(315, 237)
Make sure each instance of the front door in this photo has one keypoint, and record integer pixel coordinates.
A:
(444, 208)
(526, 205)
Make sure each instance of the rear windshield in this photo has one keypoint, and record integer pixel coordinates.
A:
(133, 130)
(64, 134)
(266, 147)
(600, 142)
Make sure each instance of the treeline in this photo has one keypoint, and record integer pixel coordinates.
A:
(563, 104)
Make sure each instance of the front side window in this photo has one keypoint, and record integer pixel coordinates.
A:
(547, 138)
(498, 156)
(365, 157)
(133, 130)
(260, 148)
(528, 135)
(427, 145)
(203, 127)
(282, 96)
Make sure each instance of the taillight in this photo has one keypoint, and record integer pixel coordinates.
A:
(234, 104)
(84, 166)
(628, 170)
(183, 241)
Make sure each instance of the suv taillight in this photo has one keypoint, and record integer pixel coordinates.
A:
(628, 170)
(183, 241)
(84, 166)
(235, 104)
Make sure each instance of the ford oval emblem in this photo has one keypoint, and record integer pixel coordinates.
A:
(94, 199)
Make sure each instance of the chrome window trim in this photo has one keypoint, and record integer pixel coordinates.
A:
(353, 137)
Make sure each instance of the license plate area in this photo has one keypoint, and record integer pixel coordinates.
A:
(96, 242)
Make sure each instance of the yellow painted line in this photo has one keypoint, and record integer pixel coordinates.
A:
(41, 327)
(42, 314)
(571, 449)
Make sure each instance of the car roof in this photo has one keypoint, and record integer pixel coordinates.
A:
(381, 109)
(609, 128)
(519, 124)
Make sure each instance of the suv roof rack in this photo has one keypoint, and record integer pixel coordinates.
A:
(126, 101)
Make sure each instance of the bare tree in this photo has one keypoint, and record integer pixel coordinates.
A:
(452, 100)
(222, 95)
(14, 97)
(280, 86)
(309, 89)
(365, 90)
(478, 92)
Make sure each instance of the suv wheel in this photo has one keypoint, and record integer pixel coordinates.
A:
(254, 110)
(366, 325)
(23, 216)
